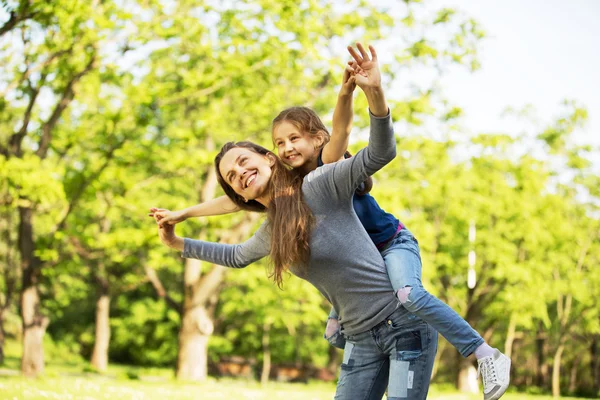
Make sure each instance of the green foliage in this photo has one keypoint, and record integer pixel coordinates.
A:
(295, 317)
(152, 89)
(144, 332)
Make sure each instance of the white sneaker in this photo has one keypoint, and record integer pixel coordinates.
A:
(495, 370)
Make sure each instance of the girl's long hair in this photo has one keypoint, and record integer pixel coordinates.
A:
(290, 219)
(309, 123)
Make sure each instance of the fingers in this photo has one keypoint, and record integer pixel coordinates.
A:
(348, 71)
(355, 55)
(356, 70)
(363, 56)
(363, 52)
(373, 53)
(154, 210)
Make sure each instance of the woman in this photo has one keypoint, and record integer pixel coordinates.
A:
(313, 231)
(304, 144)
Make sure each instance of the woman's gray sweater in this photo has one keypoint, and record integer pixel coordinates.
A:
(345, 266)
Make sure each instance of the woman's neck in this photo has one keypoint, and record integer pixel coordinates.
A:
(264, 200)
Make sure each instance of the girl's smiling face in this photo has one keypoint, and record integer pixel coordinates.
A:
(296, 148)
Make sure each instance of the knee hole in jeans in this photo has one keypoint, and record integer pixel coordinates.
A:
(403, 294)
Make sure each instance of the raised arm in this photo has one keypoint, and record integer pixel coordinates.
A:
(342, 118)
(218, 206)
(368, 78)
(343, 177)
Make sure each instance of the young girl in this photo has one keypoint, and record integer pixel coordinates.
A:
(304, 144)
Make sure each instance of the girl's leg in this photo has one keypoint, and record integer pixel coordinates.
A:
(403, 264)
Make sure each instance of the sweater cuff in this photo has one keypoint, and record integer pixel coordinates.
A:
(186, 248)
(388, 115)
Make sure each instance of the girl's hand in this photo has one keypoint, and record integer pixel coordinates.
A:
(167, 217)
(348, 80)
(166, 233)
(366, 72)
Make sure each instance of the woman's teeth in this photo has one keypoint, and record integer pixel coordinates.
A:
(250, 180)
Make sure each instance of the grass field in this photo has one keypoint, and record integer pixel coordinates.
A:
(102, 387)
(74, 381)
(116, 385)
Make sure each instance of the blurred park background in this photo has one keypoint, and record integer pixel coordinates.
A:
(110, 107)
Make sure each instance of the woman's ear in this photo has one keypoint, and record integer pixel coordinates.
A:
(271, 158)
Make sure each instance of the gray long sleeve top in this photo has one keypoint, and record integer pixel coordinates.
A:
(345, 266)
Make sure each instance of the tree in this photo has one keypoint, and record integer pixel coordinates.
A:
(53, 49)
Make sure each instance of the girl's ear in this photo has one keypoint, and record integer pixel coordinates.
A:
(319, 139)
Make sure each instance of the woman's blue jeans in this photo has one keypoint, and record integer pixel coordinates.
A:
(397, 354)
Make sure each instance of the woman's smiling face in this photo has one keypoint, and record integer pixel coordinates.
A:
(247, 172)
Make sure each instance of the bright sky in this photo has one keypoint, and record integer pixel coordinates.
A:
(537, 52)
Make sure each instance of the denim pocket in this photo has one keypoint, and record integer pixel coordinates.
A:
(409, 345)
(336, 340)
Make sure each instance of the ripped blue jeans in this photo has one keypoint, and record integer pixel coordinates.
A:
(403, 264)
(396, 354)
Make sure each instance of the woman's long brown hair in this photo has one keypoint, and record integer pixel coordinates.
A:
(290, 219)
(309, 123)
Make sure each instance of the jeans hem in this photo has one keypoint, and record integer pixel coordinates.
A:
(472, 347)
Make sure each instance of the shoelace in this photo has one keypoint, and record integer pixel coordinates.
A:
(488, 370)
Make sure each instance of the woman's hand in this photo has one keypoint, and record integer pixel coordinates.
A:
(366, 68)
(167, 217)
(368, 77)
(166, 233)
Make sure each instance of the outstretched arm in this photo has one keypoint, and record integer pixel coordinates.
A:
(342, 118)
(228, 255)
(219, 206)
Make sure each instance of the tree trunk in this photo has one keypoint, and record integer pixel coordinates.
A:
(467, 376)
(196, 328)
(595, 364)
(573, 375)
(467, 381)
(1, 336)
(102, 339)
(34, 323)
(510, 336)
(542, 367)
(266, 344)
(442, 344)
(556, 370)
(192, 358)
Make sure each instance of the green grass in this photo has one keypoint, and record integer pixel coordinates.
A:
(113, 386)
(72, 379)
